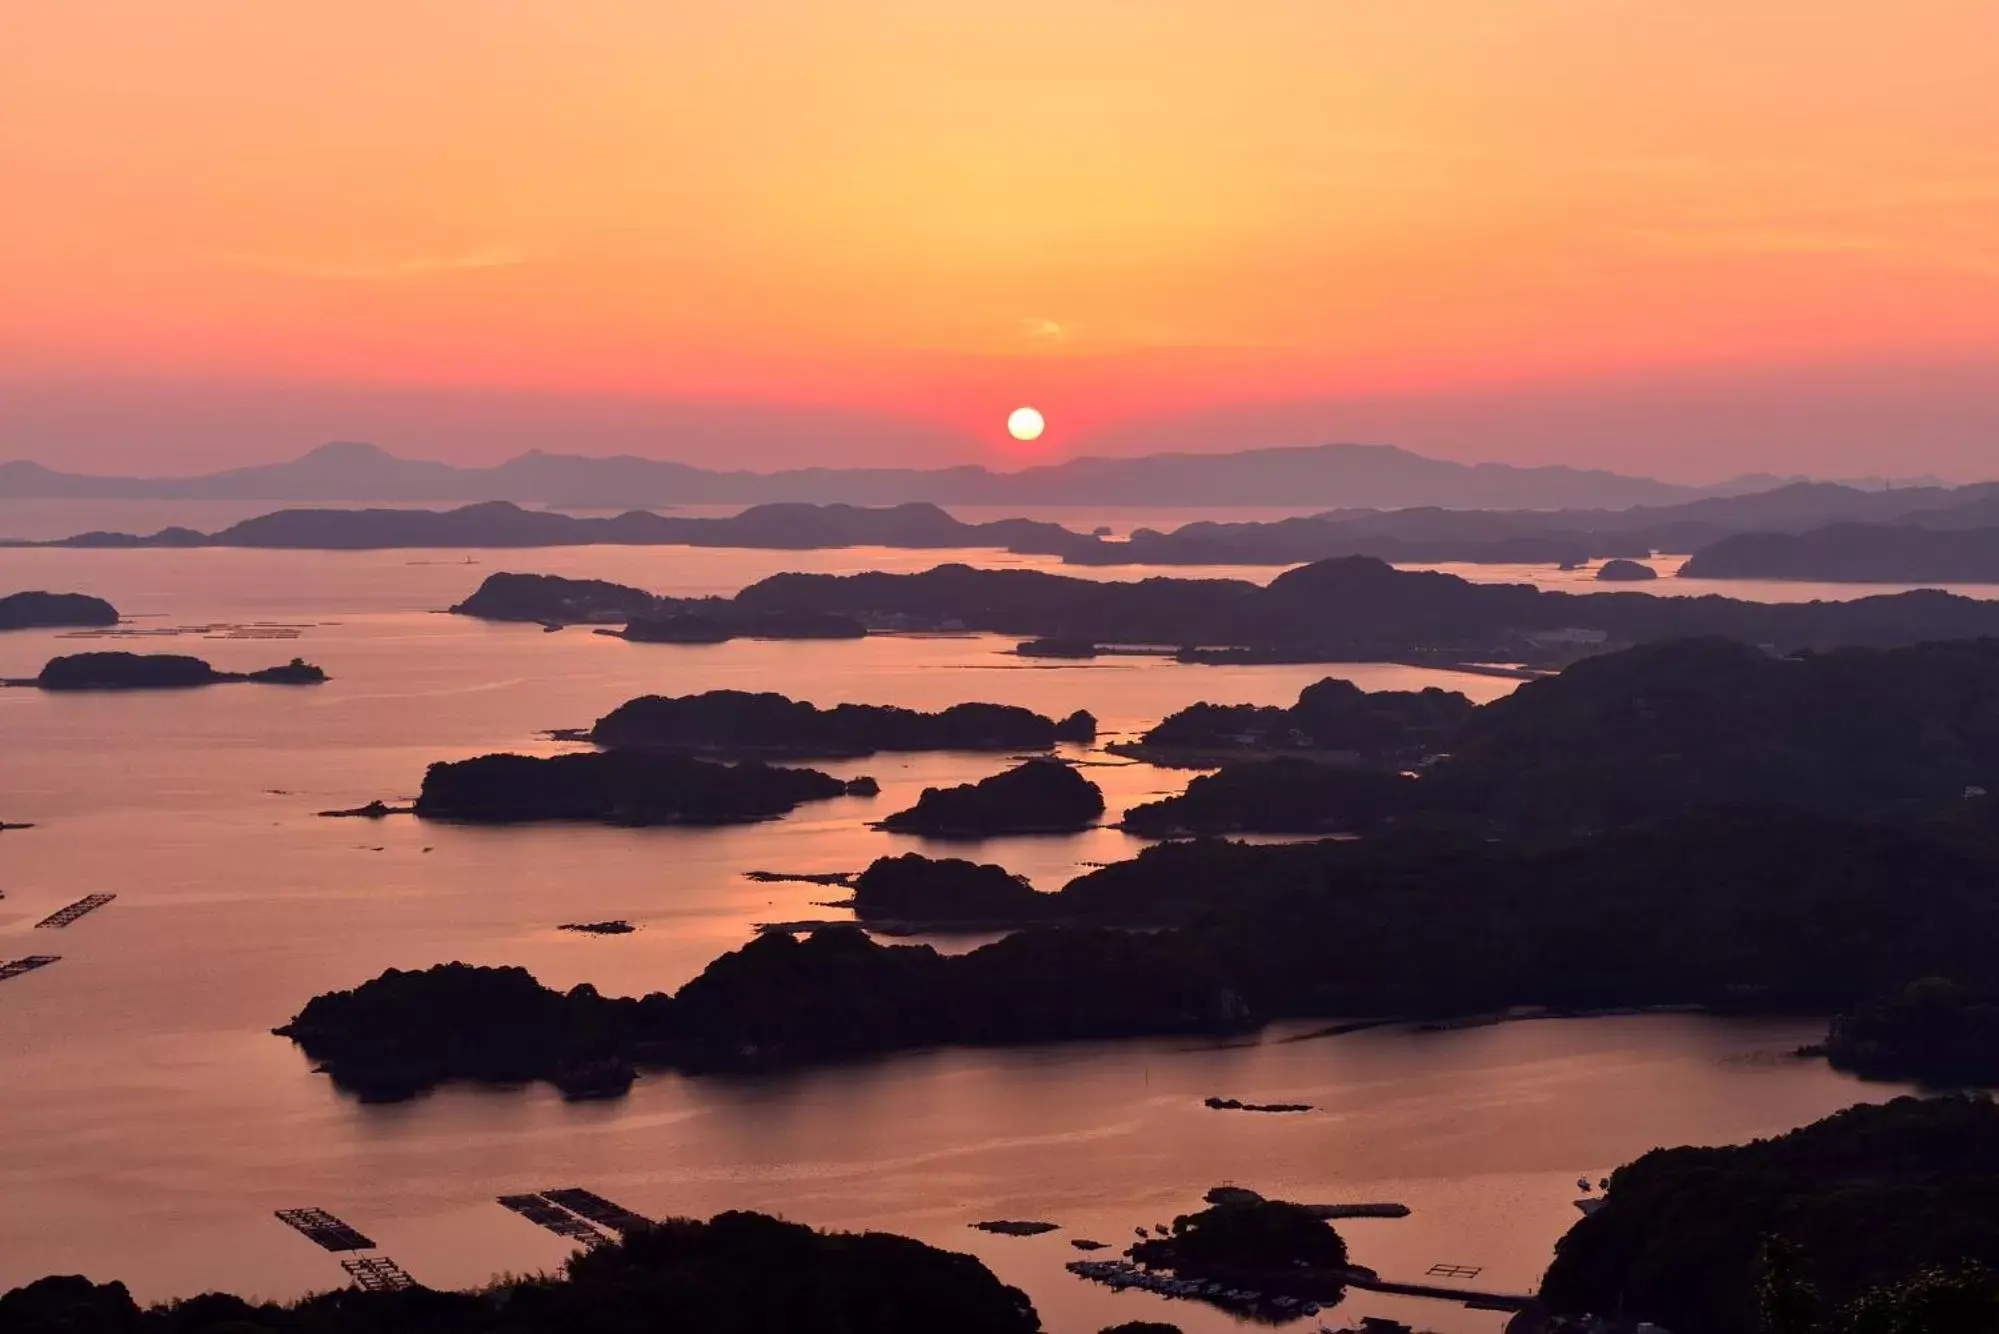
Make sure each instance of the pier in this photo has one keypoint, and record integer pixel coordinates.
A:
(540, 1211)
(1369, 1281)
(16, 967)
(378, 1273)
(323, 1229)
(89, 903)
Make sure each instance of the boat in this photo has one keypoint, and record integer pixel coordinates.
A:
(1582, 1183)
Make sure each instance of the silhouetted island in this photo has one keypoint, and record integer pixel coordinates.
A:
(1858, 553)
(1333, 719)
(1933, 1031)
(1876, 1209)
(1268, 1247)
(915, 890)
(738, 722)
(159, 671)
(1663, 727)
(738, 1273)
(1625, 572)
(712, 628)
(554, 600)
(49, 611)
(1038, 797)
(617, 787)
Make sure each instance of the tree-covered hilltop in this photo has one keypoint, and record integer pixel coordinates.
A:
(1869, 1201)
(913, 888)
(740, 722)
(1260, 1239)
(1038, 797)
(616, 787)
(47, 611)
(1933, 1030)
(1749, 911)
(161, 671)
(1661, 728)
(1331, 716)
(738, 1273)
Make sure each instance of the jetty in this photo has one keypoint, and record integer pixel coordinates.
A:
(324, 1230)
(540, 1211)
(378, 1273)
(1477, 1300)
(16, 967)
(84, 906)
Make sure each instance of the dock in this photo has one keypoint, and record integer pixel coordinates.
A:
(16, 967)
(84, 906)
(1369, 1281)
(540, 1211)
(324, 1230)
(590, 1205)
(378, 1273)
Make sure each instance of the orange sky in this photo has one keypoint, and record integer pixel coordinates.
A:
(1125, 211)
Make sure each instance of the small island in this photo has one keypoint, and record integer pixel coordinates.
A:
(55, 611)
(1234, 1105)
(1625, 572)
(619, 927)
(617, 787)
(1935, 1032)
(712, 628)
(1038, 797)
(1333, 721)
(914, 892)
(1272, 1249)
(770, 725)
(158, 671)
(1012, 1228)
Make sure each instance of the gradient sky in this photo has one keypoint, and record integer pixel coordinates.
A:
(1690, 238)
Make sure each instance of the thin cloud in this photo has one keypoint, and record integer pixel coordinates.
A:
(498, 256)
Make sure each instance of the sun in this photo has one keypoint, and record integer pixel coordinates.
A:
(1025, 424)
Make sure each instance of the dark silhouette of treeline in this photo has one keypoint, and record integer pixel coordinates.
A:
(736, 722)
(739, 1273)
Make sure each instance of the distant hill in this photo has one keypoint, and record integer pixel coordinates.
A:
(1346, 475)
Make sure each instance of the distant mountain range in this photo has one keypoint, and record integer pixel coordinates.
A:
(1347, 476)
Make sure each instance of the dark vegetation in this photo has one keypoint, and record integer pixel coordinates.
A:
(1933, 1031)
(160, 671)
(1859, 553)
(1625, 572)
(1272, 1246)
(1876, 1211)
(738, 722)
(1766, 911)
(913, 888)
(739, 1273)
(1332, 716)
(712, 628)
(1038, 797)
(1353, 609)
(1661, 728)
(41, 611)
(626, 787)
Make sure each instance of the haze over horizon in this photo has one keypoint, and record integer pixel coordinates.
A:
(784, 233)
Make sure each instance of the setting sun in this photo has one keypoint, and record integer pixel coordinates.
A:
(1025, 424)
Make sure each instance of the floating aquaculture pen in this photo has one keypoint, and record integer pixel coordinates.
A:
(378, 1273)
(325, 1230)
(89, 903)
(537, 1210)
(16, 967)
(589, 1204)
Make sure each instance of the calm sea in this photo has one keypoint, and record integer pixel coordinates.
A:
(149, 1124)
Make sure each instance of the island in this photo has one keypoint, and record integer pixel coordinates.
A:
(1933, 1031)
(1903, 553)
(1874, 1210)
(617, 787)
(914, 892)
(55, 611)
(549, 599)
(1262, 1254)
(740, 723)
(1038, 797)
(1334, 720)
(711, 627)
(158, 671)
(1007, 1227)
(618, 927)
(1625, 572)
(1281, 796)
(737, 1273)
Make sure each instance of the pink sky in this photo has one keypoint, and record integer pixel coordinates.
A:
(1691, 239)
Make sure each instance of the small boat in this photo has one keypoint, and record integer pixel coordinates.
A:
(1141, 1232)
(1582, 1183)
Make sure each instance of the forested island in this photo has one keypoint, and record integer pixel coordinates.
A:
(1333, 719)
(625, 787)
(1932, 1031)
(55, 611)
(1623, 737)
(1857, 553)
(1876, 1220)
(736, 722)
(737, 1273)
(159, 671)
(1038, 797)
(1747, 911)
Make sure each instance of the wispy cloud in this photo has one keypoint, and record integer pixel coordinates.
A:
(1042, 331)
(378, 269)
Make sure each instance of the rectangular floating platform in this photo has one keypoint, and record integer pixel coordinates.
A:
(89, 903)
(555, 1218)
(16, 967)
(378, 1273)
(589, 1204)
(325, 1230)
